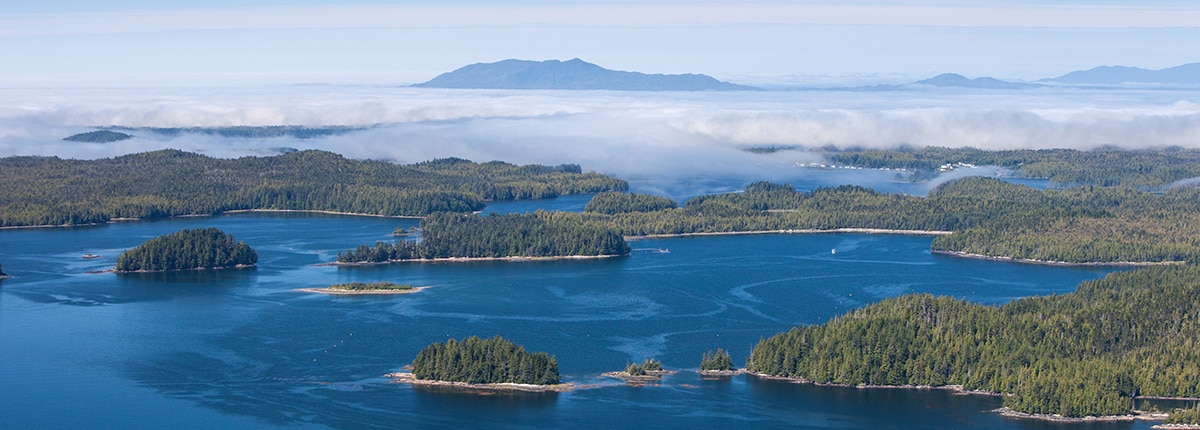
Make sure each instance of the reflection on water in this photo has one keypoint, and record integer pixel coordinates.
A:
(243, 348)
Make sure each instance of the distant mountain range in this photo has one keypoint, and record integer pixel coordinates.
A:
(1187, 74)
(573, 74)
(957, 80)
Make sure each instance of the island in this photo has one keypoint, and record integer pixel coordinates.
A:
(484, 364)
(1085, 354)
(188, 249)
(50, 191)
(716, 364)
(98, 136)
(362, 288)
(647, 372)
(467, 237)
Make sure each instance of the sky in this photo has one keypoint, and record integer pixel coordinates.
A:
(71, 66)
(142, 42)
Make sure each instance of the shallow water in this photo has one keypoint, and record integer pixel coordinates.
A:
(242, 348)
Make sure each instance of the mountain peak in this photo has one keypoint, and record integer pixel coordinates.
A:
(573, 74)
(1187, 74)
(957, 80)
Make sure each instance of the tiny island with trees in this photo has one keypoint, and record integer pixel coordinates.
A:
(488, 364)
(365, 288)
(188, 249)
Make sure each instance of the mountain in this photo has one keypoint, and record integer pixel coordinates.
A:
(98, 136)
(1188, 74)
(957, 80)
(573, 74)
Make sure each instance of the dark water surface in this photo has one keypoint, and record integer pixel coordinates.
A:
(242, 348)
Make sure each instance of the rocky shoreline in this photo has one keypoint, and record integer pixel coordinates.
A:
(337, 292)
(1057, 263)
(410, 378)
(797, 231)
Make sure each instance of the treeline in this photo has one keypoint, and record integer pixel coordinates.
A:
(205, 248)
(988, 217)
(538, 234)
(719, 361)
(1184, 416)
(640, 369)
(52, 191)
(370, 286)
(1143, 168)
(485, 361)
(1087, 353)
(616, 202)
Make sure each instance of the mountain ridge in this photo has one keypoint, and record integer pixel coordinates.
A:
(574, 74)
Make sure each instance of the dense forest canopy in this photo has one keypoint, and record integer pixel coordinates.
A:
(485, 361)
(203, 248)
(53, 191)
(538, 234)
(1142, 168)
(716, 361)
(1086, 353)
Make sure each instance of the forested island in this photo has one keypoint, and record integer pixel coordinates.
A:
(1142, 168)
(716, 362)
(1088, 353)
(46, 191)
(188, 249)
(537, 235)
(481, 362)
(365, 288)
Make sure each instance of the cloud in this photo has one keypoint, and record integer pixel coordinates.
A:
(640, 136)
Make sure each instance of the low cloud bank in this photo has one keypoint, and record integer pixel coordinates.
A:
(634, 135)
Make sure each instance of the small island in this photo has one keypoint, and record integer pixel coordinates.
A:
(188, 249)
(647, 372)
(362, 288)
(475, 364)
(716, 364)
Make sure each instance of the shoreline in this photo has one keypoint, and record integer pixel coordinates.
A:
(797, 231)
(1055, 418)
(334, 292)
(651, 376)
(472, 259)
(962, 254)
(318, 212)
(122, 272)
(410, 378)
(957, 389)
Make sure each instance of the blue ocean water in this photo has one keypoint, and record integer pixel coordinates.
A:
(244, 349)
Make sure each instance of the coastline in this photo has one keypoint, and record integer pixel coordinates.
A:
(1057, 263)
(958, 389)
(410, 378)
(120, 272)
(334, 292)
(798, 231)
(1006, 412)
(472, 259)
(129, 219)
(319, 212)
(1175, 426)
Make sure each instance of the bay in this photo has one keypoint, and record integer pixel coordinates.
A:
(242, 348)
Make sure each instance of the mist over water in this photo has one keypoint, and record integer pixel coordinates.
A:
(648, 136)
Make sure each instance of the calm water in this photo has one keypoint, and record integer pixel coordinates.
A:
(241, 348)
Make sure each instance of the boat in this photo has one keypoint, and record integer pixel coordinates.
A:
(90, 256)
(834, 251)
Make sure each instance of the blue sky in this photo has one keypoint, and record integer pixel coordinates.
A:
(177, 43)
